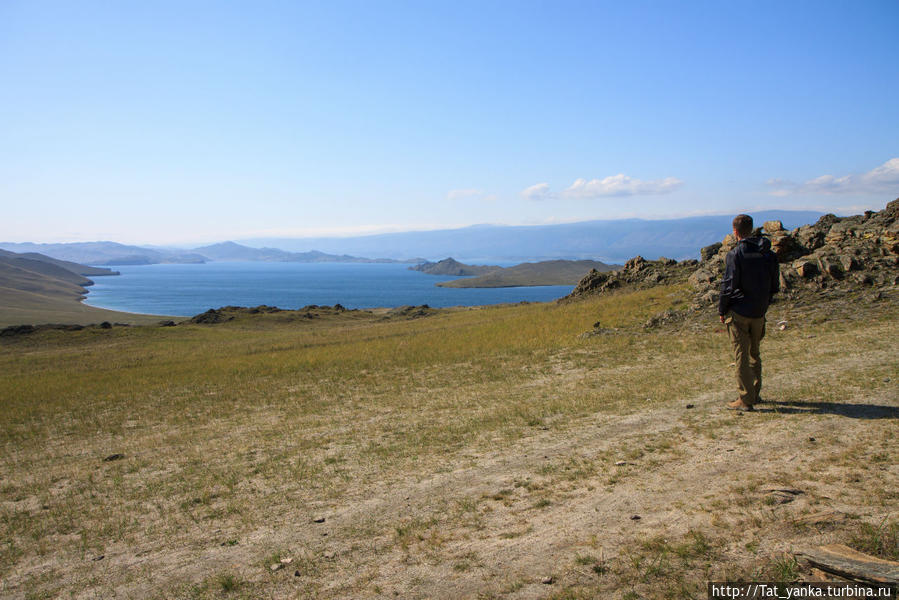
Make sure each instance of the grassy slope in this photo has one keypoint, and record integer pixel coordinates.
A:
(551, 272)
(466, 454)
(36, 292)
(18, 307)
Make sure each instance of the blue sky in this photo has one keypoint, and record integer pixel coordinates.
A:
(186, 122)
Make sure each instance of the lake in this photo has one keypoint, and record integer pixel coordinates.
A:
(186, 290)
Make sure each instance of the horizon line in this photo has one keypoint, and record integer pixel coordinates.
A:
(389, 230)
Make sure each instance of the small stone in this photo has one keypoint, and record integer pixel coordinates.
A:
(330, 555)
(886, 379)
(548, 580)
(318, 520)
(276, 567)
(620, 463)
(296, 573)
(691, 406)
(811, 439)
(113, 457)
(781, 325)
(98, 558)
(286, 561)
(635, 517)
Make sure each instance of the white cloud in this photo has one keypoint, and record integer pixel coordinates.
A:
(538, 191)
(884, 178)
(621, 185)
(613, 185)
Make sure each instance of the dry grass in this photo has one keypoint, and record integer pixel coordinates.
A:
(466, 454)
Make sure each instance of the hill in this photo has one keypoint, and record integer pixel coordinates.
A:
(450, 266)
(104, 253)
(73, 267)
(36, 289)
(551, 272)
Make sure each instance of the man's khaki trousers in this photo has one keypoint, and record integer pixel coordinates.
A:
(746, 333)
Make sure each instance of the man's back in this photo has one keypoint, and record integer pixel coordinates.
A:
(751, 278)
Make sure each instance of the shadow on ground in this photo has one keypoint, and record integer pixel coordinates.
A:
(853, 411)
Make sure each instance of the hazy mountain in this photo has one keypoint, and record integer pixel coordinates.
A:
(26, 260)
(112, 253)
(608, 241)
(104, 253)
(230, 251)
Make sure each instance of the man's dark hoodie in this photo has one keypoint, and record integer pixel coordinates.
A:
(751, 278)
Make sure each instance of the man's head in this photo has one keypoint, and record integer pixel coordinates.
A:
(742, 226)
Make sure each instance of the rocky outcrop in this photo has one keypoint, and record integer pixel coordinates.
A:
(410, 312)
(637, 273)
(835, 252)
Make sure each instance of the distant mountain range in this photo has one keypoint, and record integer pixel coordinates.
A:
(112, 253)
(229, 251)
(607, 241)
(106, 253)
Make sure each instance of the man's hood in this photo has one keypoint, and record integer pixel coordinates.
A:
(762, 243)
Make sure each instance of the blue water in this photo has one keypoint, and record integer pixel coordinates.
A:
(186, 290)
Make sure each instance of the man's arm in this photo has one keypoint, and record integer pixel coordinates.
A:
(727, 285)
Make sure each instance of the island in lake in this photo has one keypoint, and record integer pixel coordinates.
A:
(549, 272)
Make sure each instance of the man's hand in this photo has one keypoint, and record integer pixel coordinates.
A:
(721, 317)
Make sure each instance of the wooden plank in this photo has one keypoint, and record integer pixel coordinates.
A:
(844, 561)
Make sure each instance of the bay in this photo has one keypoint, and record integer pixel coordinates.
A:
(186, 290)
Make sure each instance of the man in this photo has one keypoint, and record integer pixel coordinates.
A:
(751, 278)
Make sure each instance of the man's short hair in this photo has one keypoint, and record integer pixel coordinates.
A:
(743, 225)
